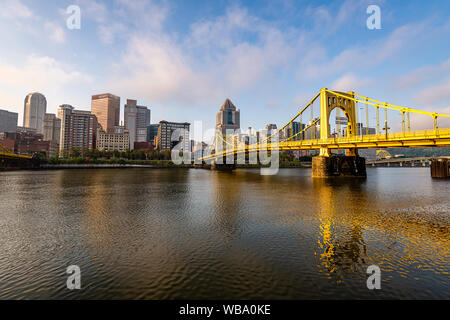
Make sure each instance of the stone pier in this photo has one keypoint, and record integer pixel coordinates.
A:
(440, 168)
(223, 166)
(342, 166)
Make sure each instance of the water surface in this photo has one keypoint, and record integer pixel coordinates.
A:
(199, 234)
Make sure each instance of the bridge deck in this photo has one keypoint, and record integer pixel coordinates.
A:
(412, 139)
(424, 138)
(14, 156)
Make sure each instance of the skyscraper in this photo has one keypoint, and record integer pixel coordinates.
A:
(106, 107)
(271, 129)
(152, 132)
(142, 122)
(166, 138)
(78, 129)
(292, 131)
(137, 119)
(52, 128)
(35, 107)
(8, 121)
(228, 117)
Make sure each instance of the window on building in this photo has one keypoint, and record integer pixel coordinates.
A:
(230, 117)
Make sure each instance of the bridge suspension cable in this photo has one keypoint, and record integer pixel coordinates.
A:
(386, 105)
(406, 138)
(296, 116)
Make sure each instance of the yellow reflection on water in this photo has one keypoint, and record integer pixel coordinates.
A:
(356, 231)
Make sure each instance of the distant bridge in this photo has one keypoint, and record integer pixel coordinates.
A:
(403, 162)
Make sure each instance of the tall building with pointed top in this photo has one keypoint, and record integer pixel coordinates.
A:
(228, 118)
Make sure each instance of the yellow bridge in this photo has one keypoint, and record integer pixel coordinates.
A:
(9, 159)
(316, 134)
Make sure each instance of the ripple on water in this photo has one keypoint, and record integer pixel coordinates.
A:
(197, 234)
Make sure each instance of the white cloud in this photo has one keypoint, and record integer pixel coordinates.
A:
(213, 61)
(14, 9)
(138, 15)
(109, 33)
(55, 32)
(350, 82)
(362, 57)
(328, 19)
(425, 122)
(39, 73)
(416, 78)
(434, 95)
(94, 10)
(156, 69)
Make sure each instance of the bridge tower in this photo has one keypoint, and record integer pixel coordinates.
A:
(327, 165)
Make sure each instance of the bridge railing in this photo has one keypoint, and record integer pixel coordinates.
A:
(419, 134)
(14, 155)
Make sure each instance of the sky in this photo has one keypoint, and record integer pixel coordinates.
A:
(182, 59)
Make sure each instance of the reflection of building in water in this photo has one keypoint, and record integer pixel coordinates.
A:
(228, 203)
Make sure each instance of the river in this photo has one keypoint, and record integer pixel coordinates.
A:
(199, 234)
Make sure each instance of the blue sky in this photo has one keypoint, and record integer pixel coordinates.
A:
(184, 58)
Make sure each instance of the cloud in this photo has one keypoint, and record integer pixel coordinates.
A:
(147, 14)
(212, 61)
(14, 9)
(362, 57)
(426, 74)
(157, 70)
(434, 95)
(124, 17)
(350, 82)
(221, 32)
(109, 33)
(55, 32)
(425, 122)
(39, 73)
(328, 19)
(93, 10)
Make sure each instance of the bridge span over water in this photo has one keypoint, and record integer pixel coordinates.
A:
(315, 133)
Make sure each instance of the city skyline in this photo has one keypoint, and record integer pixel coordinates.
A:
(184, 60)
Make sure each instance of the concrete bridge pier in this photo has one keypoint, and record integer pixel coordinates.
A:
(350, 165)
(440, 168)
(222, 166)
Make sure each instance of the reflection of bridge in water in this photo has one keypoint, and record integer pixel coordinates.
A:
(326, 164)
